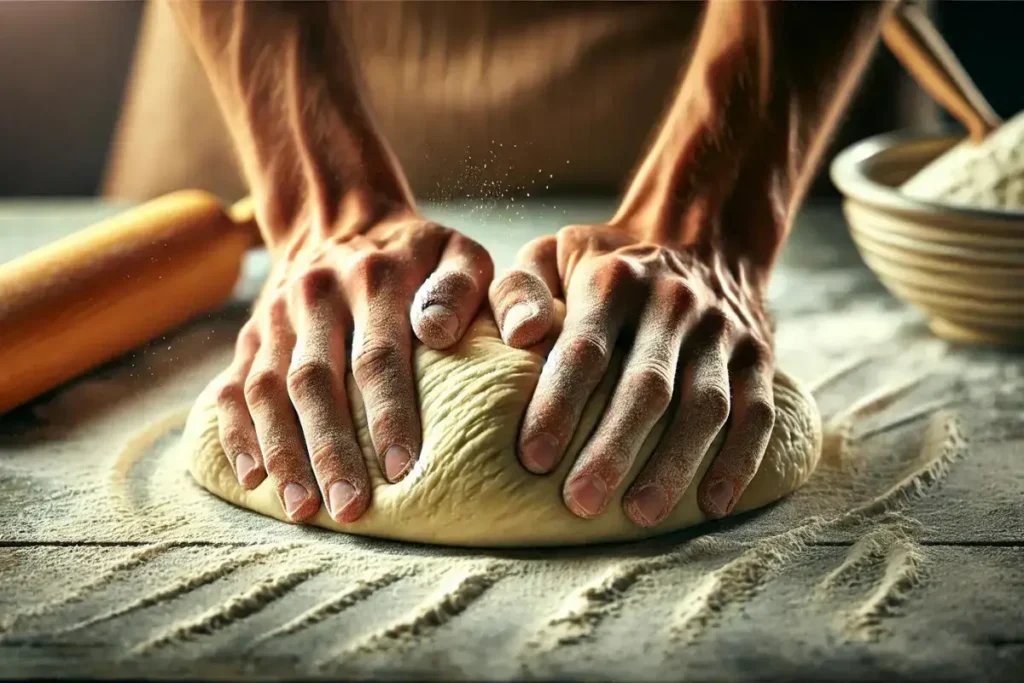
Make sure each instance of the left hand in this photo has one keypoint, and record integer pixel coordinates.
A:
(699, 333)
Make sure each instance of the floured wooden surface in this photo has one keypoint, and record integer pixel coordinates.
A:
(904, 554)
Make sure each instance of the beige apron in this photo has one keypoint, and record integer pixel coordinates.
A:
(476, 98)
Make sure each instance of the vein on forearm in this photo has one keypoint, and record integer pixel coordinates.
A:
(746, 132)
(716, 114)
(817, 78)
(289, 90)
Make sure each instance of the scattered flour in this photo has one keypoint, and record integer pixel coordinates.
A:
(113, 562)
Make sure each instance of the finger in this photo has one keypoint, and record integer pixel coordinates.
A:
(523, 298)
(234, 424)
(700, 414)
(641, 396)
(578, 361)
(448, 300)
(274, 419)
(382, 364)
(751, 423)
(316, 387)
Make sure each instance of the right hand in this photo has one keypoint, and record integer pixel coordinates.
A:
(282, 405)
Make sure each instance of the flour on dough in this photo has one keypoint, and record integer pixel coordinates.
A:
(468, 487)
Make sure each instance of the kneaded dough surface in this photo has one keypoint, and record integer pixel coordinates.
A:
(468, 488)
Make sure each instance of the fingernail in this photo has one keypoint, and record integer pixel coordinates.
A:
(294, 496)
(540, 453)
(516, 316)
(339, 495)
(396, 462)
(244, 465)
(443, 317)
(649, 505)
(720, 496)
(587, 495)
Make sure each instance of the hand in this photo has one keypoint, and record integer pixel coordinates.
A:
(698, 332)
(282, 405)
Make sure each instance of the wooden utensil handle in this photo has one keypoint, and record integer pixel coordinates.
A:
(86, 299)
(912, 38)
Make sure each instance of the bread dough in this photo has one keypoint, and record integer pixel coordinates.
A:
(468, 488)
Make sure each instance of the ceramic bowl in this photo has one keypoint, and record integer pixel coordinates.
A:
(963, 267)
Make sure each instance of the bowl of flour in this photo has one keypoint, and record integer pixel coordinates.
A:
(940, 220)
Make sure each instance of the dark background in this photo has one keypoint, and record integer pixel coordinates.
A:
(64, 67)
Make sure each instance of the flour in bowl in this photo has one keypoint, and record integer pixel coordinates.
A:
(989, 175)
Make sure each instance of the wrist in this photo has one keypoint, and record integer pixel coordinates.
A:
(331, 171)
(716, 119)
(291, 95)
(316, 222)
(734, 202)
(689, 177)
(285, 206)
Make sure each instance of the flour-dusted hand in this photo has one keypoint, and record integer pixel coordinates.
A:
(282, 406)
(695, 330)
(681, 268)
(353, 260)
(679, 274)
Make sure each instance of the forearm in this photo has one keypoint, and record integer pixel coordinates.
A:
(290, 94)
(748, 127)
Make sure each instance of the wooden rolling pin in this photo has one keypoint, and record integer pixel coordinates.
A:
(90, 297)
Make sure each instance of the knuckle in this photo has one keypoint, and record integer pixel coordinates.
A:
(232, 437)
(277, 310)
(316, 284)
(713, 403)
(416, 236)
(309, 377)
(716, 323)
(574, 233)
(230, 394)
(612, 273)
(248, 338)
(262, 386)
(651, 384)
(276, 459)
(760, 415)
(761, 352)
(507, 282)
(533, 249)
(249, 330)
(517, 285)
(588, 350)
(384, 424)
(752, 354)
(461, 281)
(375, 269)
(376, 359)
(324, 458)
(475, 252)
(680, 297)
(433, 230)
(391, 422)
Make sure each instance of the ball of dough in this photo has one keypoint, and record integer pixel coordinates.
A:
(468, 488)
